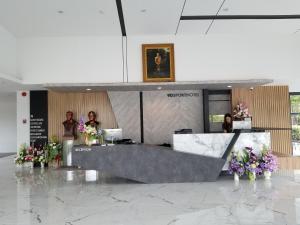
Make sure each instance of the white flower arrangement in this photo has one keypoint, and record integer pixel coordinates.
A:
(240, 112)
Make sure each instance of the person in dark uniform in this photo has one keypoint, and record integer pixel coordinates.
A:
(227, 124)
(92, 120)
(70, 126)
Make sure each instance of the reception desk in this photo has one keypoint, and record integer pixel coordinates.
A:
(195, 157)
(215, 144)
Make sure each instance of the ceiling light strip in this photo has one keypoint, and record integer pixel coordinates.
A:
(180, 17)
(240, 17)
(121, 17)
(210, 25)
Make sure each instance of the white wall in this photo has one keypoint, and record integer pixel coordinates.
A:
(8, 52)
(226, 57)
(211, 57)
(23, 112)
(8, 130)
(70, 59)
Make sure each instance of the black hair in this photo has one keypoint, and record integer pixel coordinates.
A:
(92, 112)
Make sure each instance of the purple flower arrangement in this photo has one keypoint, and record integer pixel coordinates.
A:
(236, 166)
(268, 161)
(81, 125)
(251, 164)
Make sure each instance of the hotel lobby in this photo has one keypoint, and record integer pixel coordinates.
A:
(134, 112)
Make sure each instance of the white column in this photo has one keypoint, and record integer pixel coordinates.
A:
(23, 118)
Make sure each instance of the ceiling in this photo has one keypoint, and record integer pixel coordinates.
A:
(26, 18)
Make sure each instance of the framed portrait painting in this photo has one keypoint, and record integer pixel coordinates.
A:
(158, 62)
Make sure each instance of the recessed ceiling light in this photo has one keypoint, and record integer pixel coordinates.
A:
(101, 12)
(159, 88)
(88, 89)
(229, 86)
(60, 11)
(143, 10)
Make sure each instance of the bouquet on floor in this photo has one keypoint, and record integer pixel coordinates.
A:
(268, 161)
(25, 154)
(54, 152)
(240, 112)
(236, 165)
(251, 163)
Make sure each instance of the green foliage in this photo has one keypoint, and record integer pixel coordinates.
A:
(296, 134)
(54, 150)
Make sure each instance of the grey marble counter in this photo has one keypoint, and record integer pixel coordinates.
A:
(148, 163)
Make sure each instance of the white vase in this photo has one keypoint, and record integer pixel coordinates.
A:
(267, 174)
(236, 177)
(27, 165)
(42, 165)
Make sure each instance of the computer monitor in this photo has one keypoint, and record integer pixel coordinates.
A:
(112, 134)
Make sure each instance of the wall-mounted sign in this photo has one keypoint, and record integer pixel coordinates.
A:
(38, 117)
(180, 95)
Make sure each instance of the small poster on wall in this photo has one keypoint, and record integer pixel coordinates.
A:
(158, 62)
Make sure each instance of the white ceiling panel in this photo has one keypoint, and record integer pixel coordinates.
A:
(42, 18)
(151, 16)
(255, 27)
(262, 7)
(193, 27)
(201, 7)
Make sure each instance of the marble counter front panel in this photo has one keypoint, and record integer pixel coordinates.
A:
(215, 144)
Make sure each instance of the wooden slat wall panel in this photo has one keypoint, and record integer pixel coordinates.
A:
(80, 104)
(242, 95)
(289, 163)
(270, 108)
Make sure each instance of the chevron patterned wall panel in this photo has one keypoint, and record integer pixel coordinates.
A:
(167, 111)
(126, 107)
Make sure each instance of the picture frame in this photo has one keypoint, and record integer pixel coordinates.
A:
(158, 62)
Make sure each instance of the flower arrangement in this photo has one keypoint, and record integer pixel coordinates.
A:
(90, 133)
(236, 165)
(29, 154)
(54, 151)
(240, 112)
(253, 165)
(268, 161)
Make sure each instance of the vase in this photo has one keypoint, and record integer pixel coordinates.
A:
(28, 165)
(88, 141)
(267, 174)
(236, 177)
(42, 165)
(252, 176)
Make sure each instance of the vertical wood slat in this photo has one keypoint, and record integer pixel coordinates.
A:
(270, 108)
(80, 104)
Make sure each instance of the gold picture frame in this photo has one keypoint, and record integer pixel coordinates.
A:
(158, 62)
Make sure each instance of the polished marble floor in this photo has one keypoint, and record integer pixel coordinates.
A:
(35, 196)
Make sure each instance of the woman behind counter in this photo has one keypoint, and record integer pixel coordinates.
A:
(92, 120)
(227, 125)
